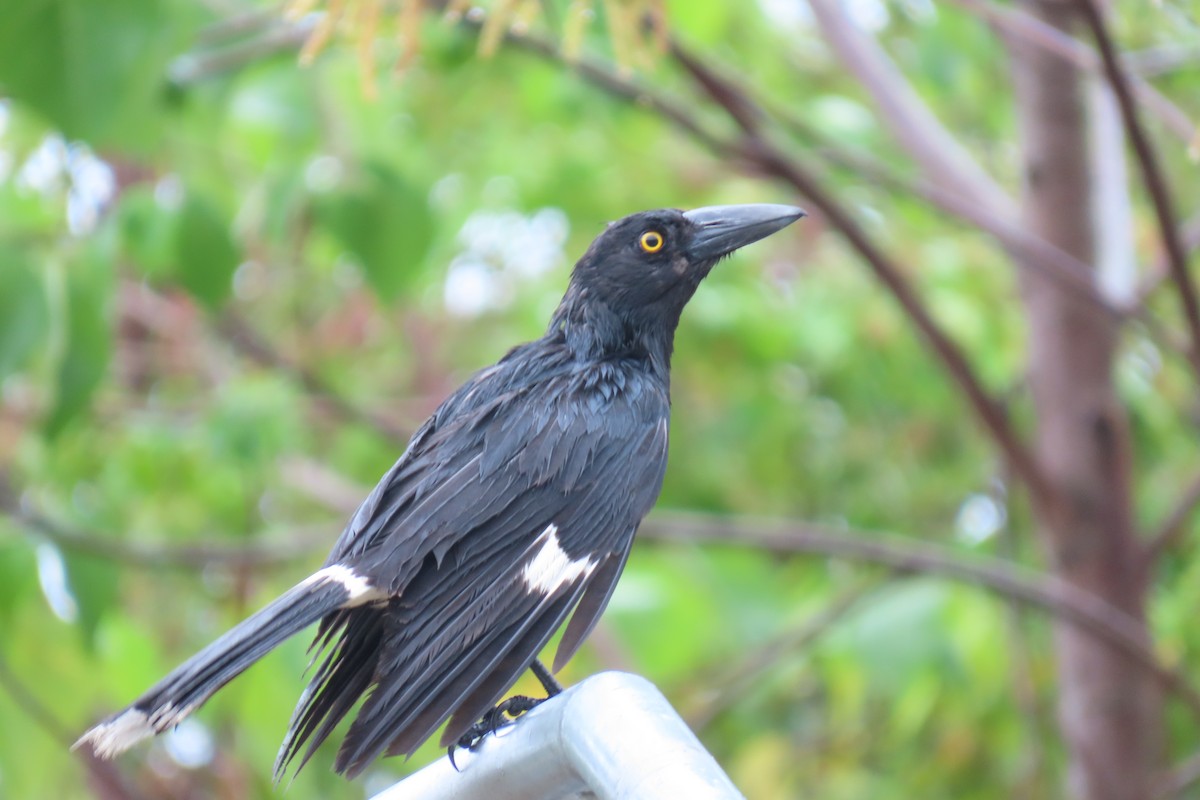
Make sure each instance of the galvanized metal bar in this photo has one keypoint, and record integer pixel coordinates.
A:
(612, 737)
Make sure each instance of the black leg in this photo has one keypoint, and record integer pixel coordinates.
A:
(544, 676)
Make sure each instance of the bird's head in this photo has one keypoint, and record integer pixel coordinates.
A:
(640, 272)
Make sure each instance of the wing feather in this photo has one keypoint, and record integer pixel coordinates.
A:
(401, 713)
(452, 529)
(591, 605)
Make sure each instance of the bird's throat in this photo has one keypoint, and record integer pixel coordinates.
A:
(594, 332)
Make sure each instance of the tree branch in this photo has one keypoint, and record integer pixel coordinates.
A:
(907, 117)
(1019, 23)
(1152, 174)
(193, 556)
(1162, 59)
(1189, 235)
(1175, 524)
(1071, 273)
(238, 332)
(194, 67)
(774, 163)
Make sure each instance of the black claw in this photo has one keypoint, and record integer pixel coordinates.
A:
(506, 713)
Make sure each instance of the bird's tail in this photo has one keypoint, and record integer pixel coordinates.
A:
(185, 689)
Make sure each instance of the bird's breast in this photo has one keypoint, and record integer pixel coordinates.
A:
(624, 382)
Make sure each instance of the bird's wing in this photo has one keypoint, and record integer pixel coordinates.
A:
(508, 515)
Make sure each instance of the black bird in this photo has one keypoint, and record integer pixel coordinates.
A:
(516, 502)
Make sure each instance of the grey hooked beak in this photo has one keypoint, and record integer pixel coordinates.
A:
(723, 229)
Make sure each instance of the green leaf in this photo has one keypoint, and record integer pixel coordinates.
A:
(94, 69)
(88, 337)
(386, 223)
(24, 316)
(205, 251)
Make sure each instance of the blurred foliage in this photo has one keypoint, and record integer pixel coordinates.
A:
(153, 197)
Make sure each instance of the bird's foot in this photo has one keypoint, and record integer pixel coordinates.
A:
(506, 713)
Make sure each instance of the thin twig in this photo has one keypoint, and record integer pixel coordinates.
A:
(192, 68)
(298, 546)
(193, 556)
(1175, 523)
(1189, 234)
(1162, 59)
(238, 332)
(238, 25)
(1156, 184)
(624, 88)
(738, 678)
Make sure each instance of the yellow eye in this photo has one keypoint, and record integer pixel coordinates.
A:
(652, 241)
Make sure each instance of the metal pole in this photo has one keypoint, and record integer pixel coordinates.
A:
(612, 737)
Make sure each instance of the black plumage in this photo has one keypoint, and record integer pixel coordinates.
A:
(514, 504)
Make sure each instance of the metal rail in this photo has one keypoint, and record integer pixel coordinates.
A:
(612, 737)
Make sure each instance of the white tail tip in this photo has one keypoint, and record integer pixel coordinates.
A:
(117, 735)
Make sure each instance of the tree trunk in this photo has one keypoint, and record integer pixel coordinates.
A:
(1109, 710)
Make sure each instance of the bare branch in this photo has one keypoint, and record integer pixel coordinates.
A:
(301, 544)
(238, 332)
(613, 83)
(1189, 235)
(238, 24)
(1086, 610)
(1019, 23)
(1156, 184)
(1175, 524)
(195, 67)
(907, 117)
(1071, 273)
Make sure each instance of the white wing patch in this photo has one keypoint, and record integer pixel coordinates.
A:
(360, 588)
(552, 567)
